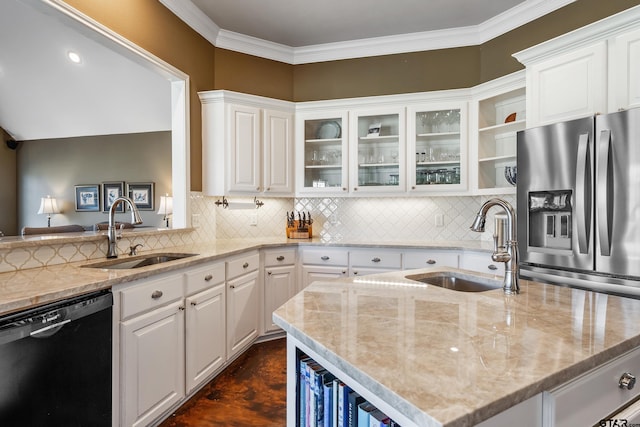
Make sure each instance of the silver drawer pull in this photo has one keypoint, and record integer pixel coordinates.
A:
(492, 267)
(156, 294)
(280, 258)
(208, 278)
(324, 258)
(627, 381)
(431, 261)
(193, 304)
(245, 265)
(376, 259)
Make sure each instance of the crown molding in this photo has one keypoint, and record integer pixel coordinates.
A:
(513, 18)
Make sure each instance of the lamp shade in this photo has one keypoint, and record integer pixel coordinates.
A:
(166, 205)
(48, 205)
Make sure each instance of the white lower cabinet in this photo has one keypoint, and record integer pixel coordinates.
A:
(279, 283)
(424, 259)
(152, 363)
(243, 308)
(373, 261)
(481, 262)
(323, 264)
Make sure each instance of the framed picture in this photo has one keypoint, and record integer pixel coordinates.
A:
(142, 194)
(88, 198)
(111, 191)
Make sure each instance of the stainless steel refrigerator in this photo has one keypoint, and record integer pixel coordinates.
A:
(578, 203)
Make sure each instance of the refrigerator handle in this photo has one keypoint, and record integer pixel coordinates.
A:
(605, 192)
(583, 191)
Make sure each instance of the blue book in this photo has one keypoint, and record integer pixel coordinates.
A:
(343, 402)
(327, 404)
(303, 386)
(352, 409)
(363, 413)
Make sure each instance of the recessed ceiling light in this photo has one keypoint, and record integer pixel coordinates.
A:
(74, 57)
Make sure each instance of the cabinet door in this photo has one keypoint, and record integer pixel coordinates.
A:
(243, 318)
(321, 158)
(245, 160)
(205, 335)
(624, 66)
(312, 273)
(426, 259)
(279, 286)
(437, 148)
(278, 152)
(568, 86)
(152, 364)
(377, 150)
(482, 263)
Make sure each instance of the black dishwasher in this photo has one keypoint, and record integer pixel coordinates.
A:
(55, 364)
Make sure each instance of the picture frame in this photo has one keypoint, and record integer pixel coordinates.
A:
(87, 198)
(142, 194)
(110, 191)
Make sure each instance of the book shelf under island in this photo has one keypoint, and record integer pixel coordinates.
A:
(427, 356)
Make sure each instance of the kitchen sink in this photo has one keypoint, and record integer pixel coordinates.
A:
(457, 281)
(138, 261)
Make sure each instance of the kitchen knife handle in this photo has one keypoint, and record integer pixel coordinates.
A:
(583, 193)
(605, 191)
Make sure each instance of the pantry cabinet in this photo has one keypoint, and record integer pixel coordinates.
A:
(247, 144)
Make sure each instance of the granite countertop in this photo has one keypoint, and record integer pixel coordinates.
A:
(448, 358)
(27, 288)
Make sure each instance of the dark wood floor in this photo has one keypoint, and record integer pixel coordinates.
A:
(250, 392)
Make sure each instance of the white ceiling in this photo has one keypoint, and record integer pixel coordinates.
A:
(43, 95)
(304, 31)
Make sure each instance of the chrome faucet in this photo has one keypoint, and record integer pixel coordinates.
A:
(507, 253)
(112, 250)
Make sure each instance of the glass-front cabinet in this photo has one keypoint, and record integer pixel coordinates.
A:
(378, 150)
(324, 153)
(437, 147)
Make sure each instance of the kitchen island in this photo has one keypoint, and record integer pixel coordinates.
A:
(428, 356)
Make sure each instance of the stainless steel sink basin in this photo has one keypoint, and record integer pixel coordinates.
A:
(457, 281)
(138, 261)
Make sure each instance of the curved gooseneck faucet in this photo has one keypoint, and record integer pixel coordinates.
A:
(508, 255)
(112, 250)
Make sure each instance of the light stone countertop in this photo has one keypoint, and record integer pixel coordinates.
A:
(448, 358)
(27, 288)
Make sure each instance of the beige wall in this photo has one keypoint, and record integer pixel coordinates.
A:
(150, 25)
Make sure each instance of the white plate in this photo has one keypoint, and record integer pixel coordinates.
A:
(328, 130)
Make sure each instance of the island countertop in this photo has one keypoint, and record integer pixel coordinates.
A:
(449, 358)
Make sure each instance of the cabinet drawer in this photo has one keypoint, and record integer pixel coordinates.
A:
(424, 259)
(276, 257)
(377, 259)
(242, 265)
(594, 395)
(204, 277)
(325, 257)
(146, 296)
(482, 263)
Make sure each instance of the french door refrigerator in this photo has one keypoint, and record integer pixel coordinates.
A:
(578, 201)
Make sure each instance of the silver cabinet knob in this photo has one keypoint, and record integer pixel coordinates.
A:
(245, 265)
(492, 267)
(324, 258)
(208, 278)
(156, 294)
(280, 258)
(376, 259)
(627, 381)
(431, 261)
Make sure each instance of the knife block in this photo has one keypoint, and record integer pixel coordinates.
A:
(299, 233)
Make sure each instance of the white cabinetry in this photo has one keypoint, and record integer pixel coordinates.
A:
(584, 72)
(426, 258)
(372, 261)
(323, 264)
(279, 282)
(243, 308)
(247, 144)
(152, 363)
(322, 158)
(481, 262)
(205, 344)
(498, 112)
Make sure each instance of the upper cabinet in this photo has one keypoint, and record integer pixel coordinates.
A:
(247, 144)
(322, 157)
(587, 71)
(378, 150)
(437, 147)
(498, 112)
